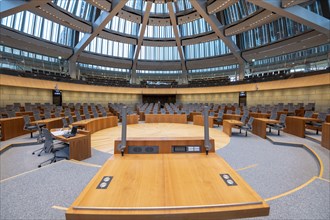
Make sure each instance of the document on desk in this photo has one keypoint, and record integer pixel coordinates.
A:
(58, 133)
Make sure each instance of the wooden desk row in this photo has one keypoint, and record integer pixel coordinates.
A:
(165, 118)
(199, 120)
(95, 124)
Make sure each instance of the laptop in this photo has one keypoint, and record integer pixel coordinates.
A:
(72, 133)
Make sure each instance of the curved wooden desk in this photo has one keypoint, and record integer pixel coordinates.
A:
(96, 124)
(326, 135)
(165, 118)
(12, 127)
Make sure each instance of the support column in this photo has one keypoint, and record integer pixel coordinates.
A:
(243, 69)
(73, 69)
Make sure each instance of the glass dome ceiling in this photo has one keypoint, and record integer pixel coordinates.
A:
(171, 37)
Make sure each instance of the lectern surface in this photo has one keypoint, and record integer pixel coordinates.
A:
(175, 186)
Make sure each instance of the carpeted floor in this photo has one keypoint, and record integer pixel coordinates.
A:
(31, 193)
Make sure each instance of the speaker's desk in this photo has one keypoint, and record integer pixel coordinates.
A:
(79, 145)
(96, 124)
(165, 118)
(259, 126)
(12, 127)
(172, 186)
(229, 124)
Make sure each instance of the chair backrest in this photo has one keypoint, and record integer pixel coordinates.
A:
(95, 114)
(78, 116)
(237, 111)
(243, 119)
(322, 116)
(26, 120)
(249, 124)
(308, 114)
(220, 115)
(212, 113)
(11, 114)
(48, 115)
(48, 144)
(70, 119)
(273, 116)
(57, 114)
(87, 115)
(246, 113)
(65, 123)
(282, 119)
(36, 116)
(229, 112)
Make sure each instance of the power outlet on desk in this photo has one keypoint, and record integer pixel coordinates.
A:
(228, 180)
(104, 182)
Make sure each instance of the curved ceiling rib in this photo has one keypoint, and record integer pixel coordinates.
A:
(177, 38)
(8, 8)
(218, 28)
(297, 14)
(140, 40)
(97, 27)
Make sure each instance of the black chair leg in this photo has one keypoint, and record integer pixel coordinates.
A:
(31, 134)
(246, 133)
(240, 131)
(278, 132)
(317, 131)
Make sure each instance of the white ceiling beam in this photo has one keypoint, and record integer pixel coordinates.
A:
(218, 28)
(177, 36)
(10, 7)
(297, 14)
(98, 26)
(141, 35)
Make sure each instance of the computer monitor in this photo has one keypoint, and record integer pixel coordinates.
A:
(74, 130)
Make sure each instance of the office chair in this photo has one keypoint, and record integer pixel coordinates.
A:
(237, 111)
(78, 116)
(28, 126)
(219, 119)
(247, 126)
(308, 114)
(278, 126)
(229, 112)
(11, 114)
(65, 123)
(40, 139)
(321, 117)
(86, 113)
(47, 114)
(70, 119)
(95, 114)
(52, 147)
(57, 113)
